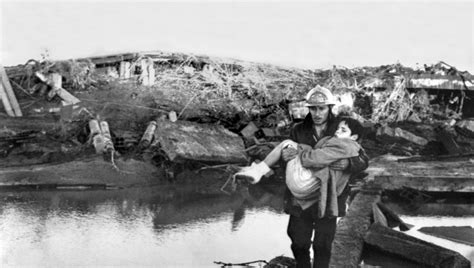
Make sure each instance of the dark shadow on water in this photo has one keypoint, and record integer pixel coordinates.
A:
(171, 205)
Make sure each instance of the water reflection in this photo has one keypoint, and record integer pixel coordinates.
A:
(140, 227)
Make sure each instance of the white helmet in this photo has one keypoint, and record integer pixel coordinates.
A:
(319, 96)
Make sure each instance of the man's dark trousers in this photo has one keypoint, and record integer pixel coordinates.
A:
(300, 231)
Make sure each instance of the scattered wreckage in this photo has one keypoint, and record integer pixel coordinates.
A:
(128, 119)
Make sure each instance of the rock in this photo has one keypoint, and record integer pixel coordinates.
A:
(183, 140)
(386, 133)
(465, 128)
(249, 130)
(414, 118)
(281, 261)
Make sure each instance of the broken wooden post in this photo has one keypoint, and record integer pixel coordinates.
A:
(147, 77)
(172, 116)
(97, 138)
(125, 70)
(412, 248)
(10, 95)
(349, 239)
(6, 102)
(54, 80)
(151, 72)
(147, 137)
(100, 135)
(108, 146)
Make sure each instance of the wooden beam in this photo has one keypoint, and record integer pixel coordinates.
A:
(449, 157)
(458, 209)
(21, 124)
(427, 183)
(414, 249)
(92, 170)
(458, 234)
(9, 92)
(6, 102)
(349, 239)
(393, 220)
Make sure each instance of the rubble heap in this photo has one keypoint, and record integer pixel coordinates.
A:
(405, 110)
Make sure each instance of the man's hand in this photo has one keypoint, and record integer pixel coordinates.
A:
(288, 153)
(340, 164)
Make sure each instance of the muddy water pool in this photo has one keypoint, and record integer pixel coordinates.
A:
(165, 228)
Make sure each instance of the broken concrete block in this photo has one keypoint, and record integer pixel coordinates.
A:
(184, 140)
(465, 128)
(386, 133)
(189, 70)
(249, 130)
(172, 116)
(270, 132)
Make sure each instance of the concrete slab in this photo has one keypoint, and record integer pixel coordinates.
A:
(184, 140)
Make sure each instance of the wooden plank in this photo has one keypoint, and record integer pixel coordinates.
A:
(184, 140)
(111, 59)
(393, 220)
(20, 124)
(453, 157)
(81, 172)
(458, 234)
(349, 239)
(414, 249)
(379, 217)
(6, 102)
(9, 92)
(54, 80)
(390, 166)
(68, 98)
(444, 82)
(439, 209)
(427, 183)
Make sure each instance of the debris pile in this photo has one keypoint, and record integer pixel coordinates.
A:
(422, 111)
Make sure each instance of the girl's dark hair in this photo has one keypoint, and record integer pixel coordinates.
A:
(354, 125)
(332, 122)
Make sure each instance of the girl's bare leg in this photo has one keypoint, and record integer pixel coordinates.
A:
(274, 156)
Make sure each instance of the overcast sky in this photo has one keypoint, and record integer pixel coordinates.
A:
(310, 34)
